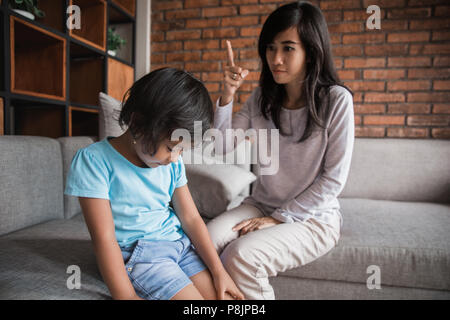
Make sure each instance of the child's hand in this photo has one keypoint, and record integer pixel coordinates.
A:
(224, 284)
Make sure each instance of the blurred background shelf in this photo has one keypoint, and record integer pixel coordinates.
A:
(120, 78)
(83, 121)
(87, 72)
(37, 119)
(93, 25)
(2, 129)
(129, 6)
(43, 72)
(50, 76)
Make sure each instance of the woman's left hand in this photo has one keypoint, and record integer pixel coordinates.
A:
(250, 225)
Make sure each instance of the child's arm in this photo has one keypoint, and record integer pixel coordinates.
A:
(98, 217)
(196, 229)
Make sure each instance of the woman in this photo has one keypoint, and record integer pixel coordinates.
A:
(292, 217)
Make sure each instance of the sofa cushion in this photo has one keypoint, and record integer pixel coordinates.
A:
(35, 261)
(30, 181)
(400, 170)
(215, 185)
(69, 146)
(109, 112)
(410, 242)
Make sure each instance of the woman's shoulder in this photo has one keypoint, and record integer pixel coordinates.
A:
(341, 103)
(339, 91)
(340, 97)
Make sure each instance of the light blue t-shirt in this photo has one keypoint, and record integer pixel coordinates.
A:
(139, 197)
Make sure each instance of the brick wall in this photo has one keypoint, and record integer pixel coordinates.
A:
(400, 74)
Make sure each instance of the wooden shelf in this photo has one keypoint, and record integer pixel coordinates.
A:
(86, 80)
(2, 54)
(128, 6)
(86, 75)
(53, 10)
(38, 61)
(93, 26)
(39, 120)
(117, 15)
(51, 87)
(2, 118)
(120, 78)
(124, 30)
(83, 121)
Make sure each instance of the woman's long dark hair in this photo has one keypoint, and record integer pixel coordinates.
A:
(320, 70)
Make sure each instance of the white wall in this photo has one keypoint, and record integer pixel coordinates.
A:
(143, 29)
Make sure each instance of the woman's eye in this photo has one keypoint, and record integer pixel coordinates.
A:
(270, 48)
(170, 150)
(288, 49)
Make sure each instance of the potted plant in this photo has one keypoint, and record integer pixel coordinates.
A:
(115, 41)
(27, 8)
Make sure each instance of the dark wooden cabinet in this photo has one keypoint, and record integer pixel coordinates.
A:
(50, 76)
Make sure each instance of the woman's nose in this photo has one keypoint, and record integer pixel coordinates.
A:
(277, 57)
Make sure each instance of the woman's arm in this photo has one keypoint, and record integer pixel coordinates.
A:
(196, 229)
(223, 115)
(98, 217)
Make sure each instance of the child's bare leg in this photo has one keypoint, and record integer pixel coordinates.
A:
(189, 292)
(204, 283)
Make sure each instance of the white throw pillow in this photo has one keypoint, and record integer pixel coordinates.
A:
(108, 117)
(215, 186)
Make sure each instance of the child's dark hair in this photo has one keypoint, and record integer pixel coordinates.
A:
(320, 70)
(162, 101)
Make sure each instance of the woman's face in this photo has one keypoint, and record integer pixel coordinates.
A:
(286, 57)
(167, 152)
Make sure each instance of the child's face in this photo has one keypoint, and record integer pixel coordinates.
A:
(167, 152)
(286, 57)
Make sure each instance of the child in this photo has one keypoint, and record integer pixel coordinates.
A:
(292, 217)
(125, 185)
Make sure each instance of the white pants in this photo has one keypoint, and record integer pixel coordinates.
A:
(253, 258)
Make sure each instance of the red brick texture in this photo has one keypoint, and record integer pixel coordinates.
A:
(400, 74)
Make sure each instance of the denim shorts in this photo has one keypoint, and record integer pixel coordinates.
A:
(160, 269)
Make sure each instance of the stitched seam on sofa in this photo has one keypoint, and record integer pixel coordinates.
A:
(446, 252)
(355, 282)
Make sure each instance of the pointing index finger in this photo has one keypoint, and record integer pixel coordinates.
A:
(230, 54)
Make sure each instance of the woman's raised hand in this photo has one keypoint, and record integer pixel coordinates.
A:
(233, 77)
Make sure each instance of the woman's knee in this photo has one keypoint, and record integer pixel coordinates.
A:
(220, 228)
(220, 235)
(239, 253)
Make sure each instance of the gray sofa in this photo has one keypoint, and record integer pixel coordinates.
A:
(396, 217)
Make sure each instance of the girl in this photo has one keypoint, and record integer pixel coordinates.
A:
(125, 185)
(292, 217)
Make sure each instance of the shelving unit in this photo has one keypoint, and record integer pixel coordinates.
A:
(39, 119)
(93, 26)
(120, 76)
(2, 120)
(128, 6)
(82, 121)
(50, 76)
(47, 61)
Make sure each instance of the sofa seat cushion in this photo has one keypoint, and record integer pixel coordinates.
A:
(34, 262)
(409, 242)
